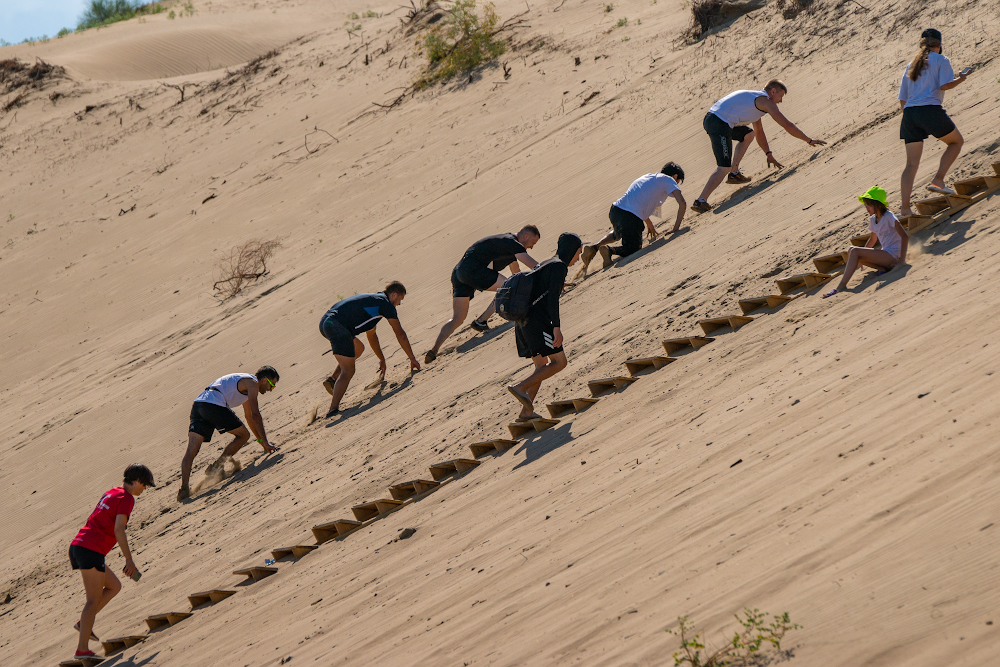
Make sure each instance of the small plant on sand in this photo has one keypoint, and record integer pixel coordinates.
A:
(244, 265)
(710, 14)
(622, 22)
(62, 33)
(462, 43)
(748, 648)
(609, 8)
(105, 12)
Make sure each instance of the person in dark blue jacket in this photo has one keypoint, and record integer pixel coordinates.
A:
(539, 337)
(352, 316)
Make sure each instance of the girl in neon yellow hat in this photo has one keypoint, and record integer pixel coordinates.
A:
(885, 229)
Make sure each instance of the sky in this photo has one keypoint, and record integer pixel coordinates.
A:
(20, 19)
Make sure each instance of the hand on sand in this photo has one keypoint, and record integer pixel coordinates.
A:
(652, 235)
(817, 142)
(269, 448)
(415, 365)
(773, 163)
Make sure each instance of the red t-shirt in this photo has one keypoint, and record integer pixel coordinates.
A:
(99, 533)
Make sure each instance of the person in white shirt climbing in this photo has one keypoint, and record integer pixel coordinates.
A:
(921, 94)
(633, 210)
(213, 411)
(727, 120)
(885, 229)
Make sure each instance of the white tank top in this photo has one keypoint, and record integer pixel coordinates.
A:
(224, 391)
(738, 108)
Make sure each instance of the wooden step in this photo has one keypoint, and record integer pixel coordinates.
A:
(769, 302)
(732, 321)
(296, 552)
(996, 168)
(208, 597)
(325, 532)
(454, 467)
(636, 366)
(159, 621)
(500, 445)
(862, 239)
(828, 263)
(520, 429)
(604, 386)
(117, 644)
(412, 488)
(559, 408)
(672, 345)
(980, 185)
(256, 573)
(375, 508)
(914, 223)
(803, 281)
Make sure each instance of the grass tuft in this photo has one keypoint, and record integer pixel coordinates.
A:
(461, 42)
(751, 646)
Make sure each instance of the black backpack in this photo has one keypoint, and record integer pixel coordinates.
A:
(513, 299)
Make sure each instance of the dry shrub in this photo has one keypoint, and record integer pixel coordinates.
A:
(244, 265)
(710, 14)
(16, 74)
(791, 8)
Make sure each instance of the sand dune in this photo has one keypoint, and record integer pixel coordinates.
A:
(834, 458)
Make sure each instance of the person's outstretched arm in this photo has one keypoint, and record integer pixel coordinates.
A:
(650, 229)
(957, 80)
(376, 348)
(681, 208)
(905, 242)
(120, 522)
(786, 124)
(526, 259)
(758, 133)
(404, 343)
(256, 423)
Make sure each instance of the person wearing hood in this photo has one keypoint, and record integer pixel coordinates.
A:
(539, 336)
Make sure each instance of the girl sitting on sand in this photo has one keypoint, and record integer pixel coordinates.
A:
(885, 229)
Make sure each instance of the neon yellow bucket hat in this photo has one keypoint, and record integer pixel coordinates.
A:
(875, 193)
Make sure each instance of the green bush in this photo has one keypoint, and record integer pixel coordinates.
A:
(462, 43)
(105, 12)
(747, 648)
(63, 32)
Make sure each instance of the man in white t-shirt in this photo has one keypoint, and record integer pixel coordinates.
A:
(633, 210)
(727, 120)
(213, 411)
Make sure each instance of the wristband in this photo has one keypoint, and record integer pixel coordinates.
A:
(260, 441)
(767, 153)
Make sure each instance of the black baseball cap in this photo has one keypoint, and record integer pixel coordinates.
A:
(932, 33)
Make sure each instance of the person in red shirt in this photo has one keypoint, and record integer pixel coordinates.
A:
(105, 528)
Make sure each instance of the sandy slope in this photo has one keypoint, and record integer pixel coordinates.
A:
(866, 512)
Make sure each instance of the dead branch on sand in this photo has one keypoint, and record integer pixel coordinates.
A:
(182, 87)
(243, 265)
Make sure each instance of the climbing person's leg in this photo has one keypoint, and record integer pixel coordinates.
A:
(913, 152)
(954, 143)
(347, 365)
(734, 176)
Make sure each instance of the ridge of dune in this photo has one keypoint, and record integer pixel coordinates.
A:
(862, 500)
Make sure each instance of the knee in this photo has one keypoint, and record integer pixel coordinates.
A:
(347, 373)
(114, 586)
(558, 364)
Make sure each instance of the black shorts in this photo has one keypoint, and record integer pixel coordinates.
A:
(628, 229)
(921, 122)
(340, 338)
(722, 138)
(208, 417)
(467, 278)
(534, 336)
(85, 559)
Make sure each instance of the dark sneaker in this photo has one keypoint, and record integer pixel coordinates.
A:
(481, 327)
(333, 413)
(606, 255)
(701, 206)
(737, 178)
(183, 493)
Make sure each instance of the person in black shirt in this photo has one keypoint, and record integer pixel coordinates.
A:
(352, 316)
(539, 337)
(474, 273)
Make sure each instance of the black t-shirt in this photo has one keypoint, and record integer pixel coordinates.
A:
(500, 249)
(361, 312)
(548, 278)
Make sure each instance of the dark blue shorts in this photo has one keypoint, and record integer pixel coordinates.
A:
(85, 559)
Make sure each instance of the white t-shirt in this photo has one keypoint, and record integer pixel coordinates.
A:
(224, 391)
(740, 107)
(646, 194)
(926, 90)
(885, 230)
